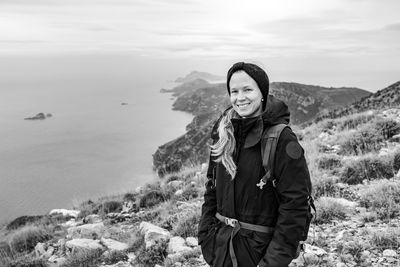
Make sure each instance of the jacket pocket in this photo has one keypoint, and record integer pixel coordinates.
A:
(208, 243)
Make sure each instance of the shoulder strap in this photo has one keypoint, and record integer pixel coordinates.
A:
(268, 149)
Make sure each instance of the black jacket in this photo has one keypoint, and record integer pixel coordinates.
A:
(241, 199)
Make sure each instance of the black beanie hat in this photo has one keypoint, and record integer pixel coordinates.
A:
(255, 72)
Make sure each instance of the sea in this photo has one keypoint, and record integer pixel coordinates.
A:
(106, 117)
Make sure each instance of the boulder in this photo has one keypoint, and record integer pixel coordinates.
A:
(177, 245)
(83, 244)
(314, 250)
(112, 244)
(389, 253)
(153, 233)
(92, 231)
(191, 242)
(175, 184)
(58, 261)
(40, 249)
(70, 213)
(92, 218)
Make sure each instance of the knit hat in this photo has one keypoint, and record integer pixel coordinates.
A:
(255, 72)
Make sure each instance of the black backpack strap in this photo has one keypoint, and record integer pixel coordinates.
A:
(269, 143)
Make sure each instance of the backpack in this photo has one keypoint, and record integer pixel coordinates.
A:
(269, 142)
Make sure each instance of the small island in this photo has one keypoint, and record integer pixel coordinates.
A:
(39, 116)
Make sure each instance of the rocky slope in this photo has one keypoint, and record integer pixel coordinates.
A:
(207, 101)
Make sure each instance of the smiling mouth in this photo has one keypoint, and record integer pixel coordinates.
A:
(242, 105)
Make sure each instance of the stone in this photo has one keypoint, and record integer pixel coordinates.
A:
(71, 213)
(310, 258)
(84, 244)
(153, 233)
(49, 252)
(131, 257)
(40, 249)
(341, 264)
(92, 218)
(61, 245)
(70, 223)
(57, 260)
(191, 242)
(389, 253)
(314, 250)
(112, 244)
(128, 206)
(92, 231)
(178, 193)
(177, 245)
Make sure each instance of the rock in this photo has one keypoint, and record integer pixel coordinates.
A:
(61, 245)
(39, 116)
(93, 231)
(128, 206)
(346, 203)
(71, 213)
(178, 193)
(153, 233)
(112, 244)
(70, 223)
(310, 258)
(177, 245)
(85, 244)
(191, 242)
(40, 249)
(314, 250)
(131, 257)
(56, 259)
(49, 252)
(92, 218)
(341, 264)
(389, 253)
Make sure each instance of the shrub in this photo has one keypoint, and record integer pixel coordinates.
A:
(329, 209)
(354, 121)
(189, 193)
(114, 256)
(187, 225)
(366, 168)
(136, 242)
(111, 206)
(22, 221)
(329, 162)
(153, 255)
(151, 199)
(387, 239)
(324, 186)
(26, 238)
(383, 197)
(129, 197)
(84, 258)
(87, 208)
(396, 161)
(23, 261)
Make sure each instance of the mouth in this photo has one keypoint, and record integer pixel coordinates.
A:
(242, 105)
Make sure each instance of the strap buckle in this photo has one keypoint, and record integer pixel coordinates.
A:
(274, 183)
(231, 222)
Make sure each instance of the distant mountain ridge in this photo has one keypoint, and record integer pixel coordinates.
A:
(382, 99)
(199, 75)
(206, 102)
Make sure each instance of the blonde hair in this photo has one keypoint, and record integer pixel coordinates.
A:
(224, 148)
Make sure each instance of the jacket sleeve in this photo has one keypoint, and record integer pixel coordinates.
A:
(209, 207)
(293, 188)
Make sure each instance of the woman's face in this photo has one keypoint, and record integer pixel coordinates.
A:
(245, 95)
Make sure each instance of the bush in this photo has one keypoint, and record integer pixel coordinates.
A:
(366, 168)
(111, 206)
(87, 208)
(324, 186)
(26, 238)
(84, 258)
(383, 197)
(129, 197)
(329, 209)
(387, 239)
(189, 193)
(396, 161)
(187, 226)
(151, 199)
(153, 255)
(329, 162)
(22, 221)
(23, 261)
(114, 256)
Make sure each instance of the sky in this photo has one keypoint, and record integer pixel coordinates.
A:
(329, 43)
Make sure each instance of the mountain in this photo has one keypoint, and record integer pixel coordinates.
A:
(207, 101)
(200, 75)
(385, 98)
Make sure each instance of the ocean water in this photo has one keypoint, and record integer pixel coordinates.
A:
(92, 145)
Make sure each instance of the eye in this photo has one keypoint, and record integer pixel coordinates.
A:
(248, 89)
(234, 91)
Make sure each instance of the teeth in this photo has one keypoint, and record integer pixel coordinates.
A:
(242, 105)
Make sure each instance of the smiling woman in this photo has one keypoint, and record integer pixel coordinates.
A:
(252, 215)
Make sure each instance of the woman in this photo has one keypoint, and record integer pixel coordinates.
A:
(244, 222)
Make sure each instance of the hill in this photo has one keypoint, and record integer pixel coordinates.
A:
(207, 101)
(385, 98)
(199, 75)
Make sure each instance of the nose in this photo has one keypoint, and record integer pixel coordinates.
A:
(241, 95)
